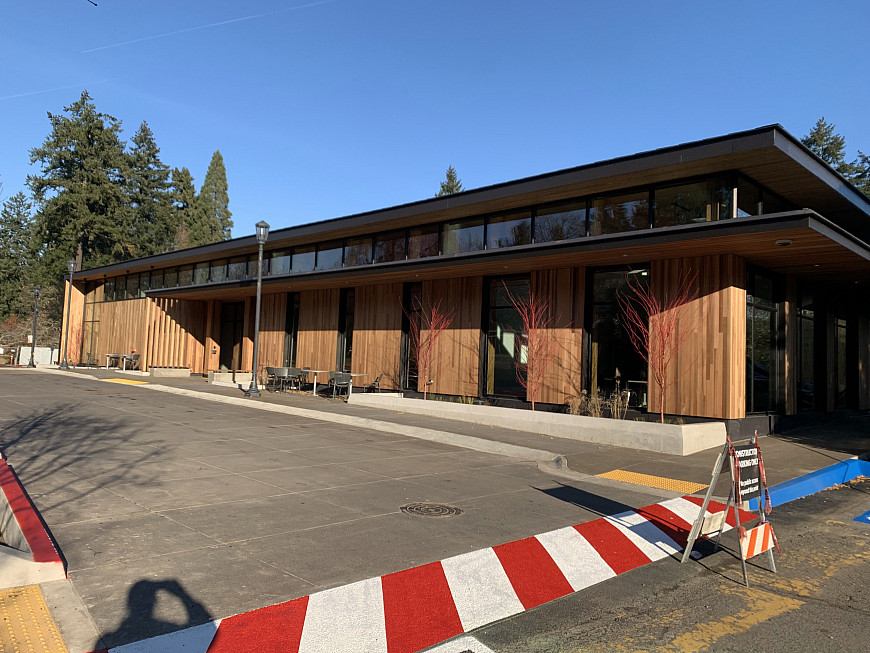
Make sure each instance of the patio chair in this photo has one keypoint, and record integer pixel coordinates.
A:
(339, 380)
(294, 377)
(272, 378)
(374, 385)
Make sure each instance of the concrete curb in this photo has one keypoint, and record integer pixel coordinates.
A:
(673, 439)
(557, 461)
(31, 556)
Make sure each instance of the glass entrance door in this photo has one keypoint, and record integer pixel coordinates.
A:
(505, 338)
(232, 326)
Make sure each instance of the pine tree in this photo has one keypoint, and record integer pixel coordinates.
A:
(452, 184)
(829, 146)
(82, 207)
(153, 228)
(183, 203)
(212, 220)
(16, 252)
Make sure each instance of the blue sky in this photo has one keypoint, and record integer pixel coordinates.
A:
(332, 107)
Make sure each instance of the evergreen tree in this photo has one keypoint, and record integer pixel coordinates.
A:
(153, 228)
(79, 192)
(16, 252)
(211, 217)
(183, 203)
(829, 146)
(452, 184)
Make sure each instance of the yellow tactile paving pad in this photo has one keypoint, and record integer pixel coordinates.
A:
(127, 381)
(27, 625)
(660, 482)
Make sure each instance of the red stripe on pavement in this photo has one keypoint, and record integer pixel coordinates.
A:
(275, 629)
(615, 549)
(536, 578)
(418, 608)
(672, 524)
(34, 531)
(715, 506)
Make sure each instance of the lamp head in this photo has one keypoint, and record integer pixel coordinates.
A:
(262, 232)
(71, 266)
(36, 291)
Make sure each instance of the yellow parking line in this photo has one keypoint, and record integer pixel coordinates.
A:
(127, 381)
(660, 482)
(27, 625)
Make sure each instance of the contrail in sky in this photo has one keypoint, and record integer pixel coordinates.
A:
(199, 27)
(50, 90)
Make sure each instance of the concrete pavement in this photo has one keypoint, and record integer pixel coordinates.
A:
(174, 510)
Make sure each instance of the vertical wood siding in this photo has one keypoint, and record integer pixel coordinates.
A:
(273, 322)
(76, 308)
(456, 358)
(318, 329)
(563, 289)
(377, 334)
(708, 376)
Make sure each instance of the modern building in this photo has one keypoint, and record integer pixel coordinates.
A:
(772, 238)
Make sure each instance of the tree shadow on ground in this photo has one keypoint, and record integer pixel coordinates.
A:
(146, 614)
(848, 433)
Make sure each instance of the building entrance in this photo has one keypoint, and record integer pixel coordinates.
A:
(232, 327)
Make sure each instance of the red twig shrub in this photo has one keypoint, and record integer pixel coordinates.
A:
(424, 334)
(538, 342)
(658, 325)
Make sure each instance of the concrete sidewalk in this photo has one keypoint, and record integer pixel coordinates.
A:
(177, 509)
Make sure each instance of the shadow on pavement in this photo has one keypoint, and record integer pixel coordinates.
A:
(587, 500)
(143, 621)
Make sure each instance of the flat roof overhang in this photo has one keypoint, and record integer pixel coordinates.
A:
(769, 155)
(802, 243)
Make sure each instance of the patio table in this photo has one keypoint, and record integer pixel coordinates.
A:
(350, 387)
(116, 357)
(315, 373)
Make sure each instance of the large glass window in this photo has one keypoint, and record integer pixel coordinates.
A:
(841, 326)
(358, 251)
(132, 287)
(144, 283)
(157, 280)
(806, 394)
(423, 241)
(748, 198)
(345, 329)
(561, 222)
(412, 321)
(391, 247)
(508, 231)
(303, 259)
(237, 268)
(170, 278)
(464, 236)
(618, 213)
(610, 350)
(761, 346)
(109, 290)
(279, 263)
(505, 340)
(200, 273)
(217, 271)
(702, 201)
(329, 256)
(185, 275)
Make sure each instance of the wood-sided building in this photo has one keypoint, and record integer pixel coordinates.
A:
(773, 239)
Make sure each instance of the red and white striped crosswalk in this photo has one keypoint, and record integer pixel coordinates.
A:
(414, 609)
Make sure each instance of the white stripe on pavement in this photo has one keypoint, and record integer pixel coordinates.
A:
(347, 619)
(480, 587)
(645, 535)
(576, 558)
(683, 508)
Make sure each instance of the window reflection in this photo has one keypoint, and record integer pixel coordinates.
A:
(329, 257)
(561, 222)
(200, 273)
(358, 252)
(703, 201)
(508, 231)
(619, 213)
(423, 241)
(391, 247)
(303, 259)
(465, 236)
(237, 268)
(218, 271)
(280, 262)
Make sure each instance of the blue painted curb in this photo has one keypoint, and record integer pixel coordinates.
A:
(816, 481)
(864, 519)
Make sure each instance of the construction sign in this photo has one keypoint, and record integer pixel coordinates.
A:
(748, 481)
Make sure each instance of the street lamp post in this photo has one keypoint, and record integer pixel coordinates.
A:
(262, 235)
(71, 266)
(35, 313)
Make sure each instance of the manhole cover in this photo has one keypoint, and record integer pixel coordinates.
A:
(430, 510)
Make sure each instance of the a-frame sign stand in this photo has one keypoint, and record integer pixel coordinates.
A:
(759, 539)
